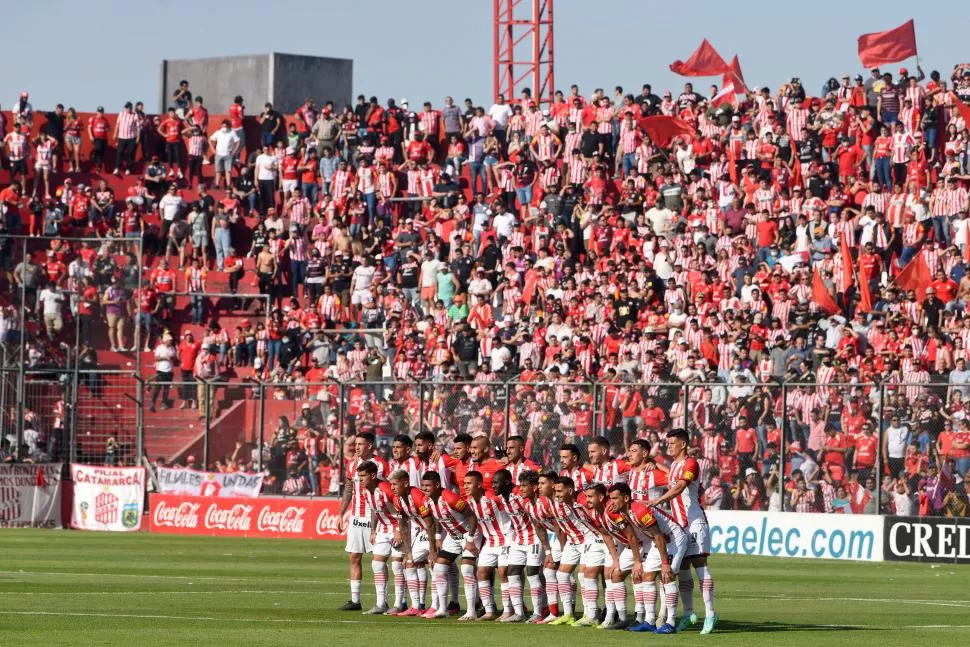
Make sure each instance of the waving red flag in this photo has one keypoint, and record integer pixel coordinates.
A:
(865, 303)
(821, 296)
(705, 61)
(890, 46)
(966, 244)
(662, 129)
(846, 265)
(734, 77)
(961, 108)
(915, 276)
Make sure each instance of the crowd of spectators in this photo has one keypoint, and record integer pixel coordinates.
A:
(554, 245)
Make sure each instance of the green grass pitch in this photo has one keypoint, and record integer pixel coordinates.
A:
(73, 588)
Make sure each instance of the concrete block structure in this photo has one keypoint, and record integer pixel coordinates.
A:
(284, 79)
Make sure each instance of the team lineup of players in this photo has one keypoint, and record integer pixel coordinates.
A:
(472, 515)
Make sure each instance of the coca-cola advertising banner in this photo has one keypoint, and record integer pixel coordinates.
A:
(198, 483)
(30, 496)
(273, 517)
(107, 498)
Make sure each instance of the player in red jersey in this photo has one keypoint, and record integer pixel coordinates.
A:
(606, 471)
(358, 530)
(413, 538)
(383, 529)
(544, 525)
(685, 507)
(450, 536)
(663, 544)
(645, 479)
(482, 462)
(582, 547)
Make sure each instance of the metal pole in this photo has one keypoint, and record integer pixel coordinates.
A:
(781, 443)
(261, 426)
(882, 420)
(508, 411)
(420, 387)
(139, 416)
(21, 386)
(208, 422)
(141, 261)
(340, 427)
(686, 404)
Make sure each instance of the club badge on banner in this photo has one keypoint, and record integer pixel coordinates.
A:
(30, 496)
(107, 498)
(198, 483)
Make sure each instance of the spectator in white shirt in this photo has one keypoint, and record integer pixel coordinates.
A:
(165, 354)
(266, 165)
(225, 144)
(49, 303)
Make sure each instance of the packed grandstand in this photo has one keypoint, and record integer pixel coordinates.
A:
(782, 272)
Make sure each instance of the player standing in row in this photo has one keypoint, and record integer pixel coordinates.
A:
(359, 529)
(646, 480)
(491, 518)
(619, 563)
(383, 533)
(450, 514)
(606, 470)
(525, 550)
(571, 465)
(413, 538)
(538, 510)
(685, 507)
(582, 546)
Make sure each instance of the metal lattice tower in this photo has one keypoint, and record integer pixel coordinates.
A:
(521, 62)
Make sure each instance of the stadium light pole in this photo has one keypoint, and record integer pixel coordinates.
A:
(518, 62)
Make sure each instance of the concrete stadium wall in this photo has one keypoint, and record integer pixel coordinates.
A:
(219, 80)
(297, 77)
(284, 79)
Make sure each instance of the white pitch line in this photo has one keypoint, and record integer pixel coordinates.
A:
(930, 603)
(220, 592)
(149, 576)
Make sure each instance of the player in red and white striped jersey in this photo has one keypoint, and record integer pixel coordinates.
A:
(412, 506)
(571, 465)
(359, 529)
(492, 519)
(524, 552)
(423, 460)
(620, 559)
(646, 480)
(686, 509)
(515, 461)
(400, 453)
(450, 535)
(606, 471)
(581, 546)
(384, 528)
(664, 544)
(543, 587)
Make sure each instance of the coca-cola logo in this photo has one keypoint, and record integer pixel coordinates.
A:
(288, 521)
(238, 517)
(328, 523)
(183, 515)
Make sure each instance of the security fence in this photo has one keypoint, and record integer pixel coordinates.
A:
(848, 448)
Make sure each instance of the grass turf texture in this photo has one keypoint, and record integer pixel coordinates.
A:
(73, 588)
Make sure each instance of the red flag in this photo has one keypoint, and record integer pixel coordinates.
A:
(529, 288)
(860, 498)
(865, 303)
(662, 129)
(846, 265)
(734, 77)
(41, 481)
(892, 46)
(733, 163)
(962, 109)
(821, 296)
(915, 276)
(705, 61)
(728, 94)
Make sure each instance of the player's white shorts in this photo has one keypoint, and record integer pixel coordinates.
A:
(358, 535)
(677, 548)
(419, 545)
(492, 556)
(699, 538)
(572, 553)
(456, 545)
(555, 548)
(526, 554)
(626, 559)
(595, 553)
(384, 546)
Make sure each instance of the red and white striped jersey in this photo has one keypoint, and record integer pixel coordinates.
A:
(517, 469)
(521, 530)
(575, 522)
(581, 477)
(413, 505)
(609, 523)
(686, 506)
(127, 125)
(615, 471)
(196, 145)
(451, 513)
(646, 484)
(16, 146)
(641, 517)
(543, 513)
(493, 519)
(902, 144)
(380, 501)
(360, 505)
(45, 152)
(545, 147)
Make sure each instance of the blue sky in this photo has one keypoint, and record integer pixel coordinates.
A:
(603, 43)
